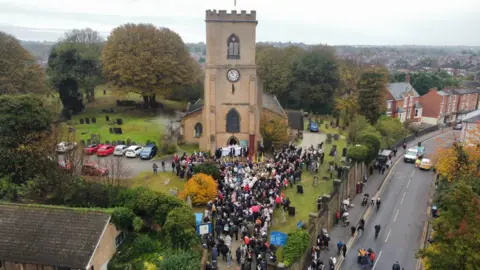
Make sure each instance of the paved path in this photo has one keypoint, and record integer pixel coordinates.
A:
(402, 216)
(312, 138)
(373, 185)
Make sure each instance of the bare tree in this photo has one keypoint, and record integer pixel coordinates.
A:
(83, 36)
(119, 172)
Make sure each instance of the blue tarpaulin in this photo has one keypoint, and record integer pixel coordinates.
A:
(198, 218)
(278, 239)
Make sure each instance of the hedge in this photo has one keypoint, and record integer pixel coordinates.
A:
(297, 244)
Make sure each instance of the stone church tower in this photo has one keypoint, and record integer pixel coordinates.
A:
(233, 100)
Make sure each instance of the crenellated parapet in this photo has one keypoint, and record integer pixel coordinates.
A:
(233, 16)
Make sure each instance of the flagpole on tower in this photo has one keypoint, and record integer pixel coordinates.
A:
(235, 3)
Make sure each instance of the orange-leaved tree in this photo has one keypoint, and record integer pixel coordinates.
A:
(201, 188)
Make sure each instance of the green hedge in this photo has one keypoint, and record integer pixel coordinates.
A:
(297, 244)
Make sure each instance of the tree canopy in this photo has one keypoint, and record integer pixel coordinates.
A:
(424, 81)
(371, 97)
(19, 73)
(145, 59)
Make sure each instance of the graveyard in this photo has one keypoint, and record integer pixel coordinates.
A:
(117, 118)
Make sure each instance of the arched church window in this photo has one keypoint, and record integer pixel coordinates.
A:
(198, 130)
(233, 121)
(233, 47)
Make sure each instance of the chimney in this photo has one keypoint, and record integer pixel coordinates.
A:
(407, 78)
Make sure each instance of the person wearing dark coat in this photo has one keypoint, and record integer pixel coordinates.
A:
(238, 254)
(214, 253)
(344, 250)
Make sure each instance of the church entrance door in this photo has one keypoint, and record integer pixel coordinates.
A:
(233, 141)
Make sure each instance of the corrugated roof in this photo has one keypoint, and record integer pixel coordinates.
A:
(62, 237)
(398, 89)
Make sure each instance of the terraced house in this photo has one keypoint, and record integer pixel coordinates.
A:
(42, 237)
(403, 102)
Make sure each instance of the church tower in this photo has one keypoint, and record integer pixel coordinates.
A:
(232, 99)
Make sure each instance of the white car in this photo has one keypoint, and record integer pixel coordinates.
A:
(66, 146)
(133, 151)
(413, 153)
(120, 150)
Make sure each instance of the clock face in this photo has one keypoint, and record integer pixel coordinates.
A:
(233, 75)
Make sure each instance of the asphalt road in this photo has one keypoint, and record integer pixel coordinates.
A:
(402, 215)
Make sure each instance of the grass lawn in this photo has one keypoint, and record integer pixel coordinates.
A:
(139, 126)
(189, 148)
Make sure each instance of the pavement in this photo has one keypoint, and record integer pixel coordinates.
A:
(404, 192)
(312, 138)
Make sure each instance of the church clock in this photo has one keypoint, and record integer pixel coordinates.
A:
(233, 75)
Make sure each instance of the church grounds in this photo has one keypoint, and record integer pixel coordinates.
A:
(139, 126)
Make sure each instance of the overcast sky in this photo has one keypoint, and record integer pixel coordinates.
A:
(335, 22)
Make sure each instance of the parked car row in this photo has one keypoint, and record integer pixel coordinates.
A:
(131, 151)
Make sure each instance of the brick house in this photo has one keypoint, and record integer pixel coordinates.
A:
(403, 102)
(448, 105)
(43, 237)
(471, 127)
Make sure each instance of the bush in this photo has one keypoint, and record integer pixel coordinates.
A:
(208, 168)
(144, 244)
(358, 153)
(122, 217)
(371, 141)
(202, 188)
(179, 229)
(185, 260)
(172, 149)
(297, 244)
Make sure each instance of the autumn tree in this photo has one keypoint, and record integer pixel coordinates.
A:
(19, 73)
(458, 161)
(144, 59)
(274, 131)
(201, 188)
(456, 239)
(347, 107)
(391, 130)
(371, 93)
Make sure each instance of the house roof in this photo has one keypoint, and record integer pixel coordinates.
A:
(48, 235)
(472, 117)
(464, 91)
(443, 93)
(295, 120)
(271, 103)
(398, 89)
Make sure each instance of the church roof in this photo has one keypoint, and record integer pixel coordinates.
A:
(271, 103)
(197, 106)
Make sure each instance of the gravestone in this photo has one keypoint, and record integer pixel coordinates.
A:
(89, 142)
(110, 130)
(82, 121)
(333, 150)
(107, 142)
(335, 137)
(173, 191)
(94, 120)
(87, 120)
(107, 118)
(119, 121)
(166, 182)
(329, 138)
(104, 92)
(344, 152)
(189, 201)
(315, 181)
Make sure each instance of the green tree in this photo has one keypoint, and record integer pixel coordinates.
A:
(179, 228)
(347, 108)
(456, 229)
(274, 131)
(19, 73)
(315, 79)
(185, 260)
(358, 153)
(391, 130)
(370, 140)
(273, 69)
(144, 59)
(371, 96)
(358, 125)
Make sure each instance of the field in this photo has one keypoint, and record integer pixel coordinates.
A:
(138, 125)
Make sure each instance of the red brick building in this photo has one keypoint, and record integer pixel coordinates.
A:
(448, 105)
(403, 102)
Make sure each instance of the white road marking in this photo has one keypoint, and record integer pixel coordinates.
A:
(412, 174)
(378, 258)
(396, 215)
(403, 197)
(388, 235)
(408, 184)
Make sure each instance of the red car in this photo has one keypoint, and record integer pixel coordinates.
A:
(92, 148)
(93, 169)
(105, 150)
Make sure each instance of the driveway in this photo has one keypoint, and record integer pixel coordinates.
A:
(312, 138)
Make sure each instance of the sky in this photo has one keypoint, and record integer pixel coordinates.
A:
(333, 22)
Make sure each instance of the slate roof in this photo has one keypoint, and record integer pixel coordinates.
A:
(197, 106)
(398, 89)
(464, 91)
(295, 120)
(271, 103)
(62, 237)
(472, 117)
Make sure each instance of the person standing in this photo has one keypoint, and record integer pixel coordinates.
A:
(163, 165)
(339, 246)
(344, 250)
(394, 151)
(353, 229)
(229, 258)
(155, 168)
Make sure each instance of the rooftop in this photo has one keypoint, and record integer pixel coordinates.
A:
(49, 235)
(472, 117)
(398, 89)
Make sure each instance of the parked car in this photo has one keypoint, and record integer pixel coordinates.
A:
(92, 148)
(93, 169)
(133, 151)
(63, 147)
(425, 164)
(414, 153)
(384, 156)
(458, 126)
(313, 127)
(120, 150)
(105, 150)
(149, 152)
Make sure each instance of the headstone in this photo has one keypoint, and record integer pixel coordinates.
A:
(82, 121)
(335, 137)
(104, 92)
(344, 152)
(189, 201)
(329, 138)
(107, 142)
(94, 120)
(107, 118)
(87, 120)
(315, 181)
(89, 142)
(173, 192)
(166, 182)
(119, 121)
(110, 130)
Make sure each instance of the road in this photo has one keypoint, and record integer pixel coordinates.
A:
(402, 215)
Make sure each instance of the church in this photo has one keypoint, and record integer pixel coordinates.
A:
(234, 102)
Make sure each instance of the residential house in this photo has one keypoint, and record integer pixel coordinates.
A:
(403, 102)
(471, 128)
(43, 237)
(448, 105)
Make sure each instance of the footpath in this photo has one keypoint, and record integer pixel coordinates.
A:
(374, 183)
